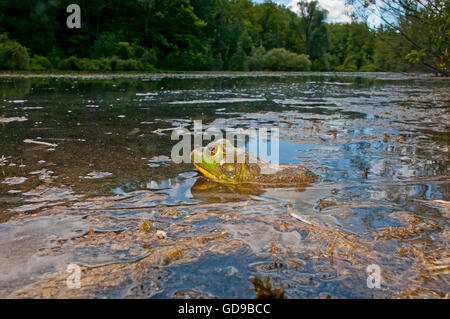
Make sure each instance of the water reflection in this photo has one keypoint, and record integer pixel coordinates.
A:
(84, 160)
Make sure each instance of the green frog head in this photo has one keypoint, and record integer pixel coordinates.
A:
(220, 161)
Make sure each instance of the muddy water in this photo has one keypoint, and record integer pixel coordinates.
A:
(86, 179)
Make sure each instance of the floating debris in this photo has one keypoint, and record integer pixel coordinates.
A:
(17, 101)
(96, 175)
(265, 290)
(161, 234)
(173, 255)
(31, 207)
(134, 131)
(44, 174)
(14, 180)
(160, 131)
(3, 160)
(50, 194)
(230, 100)
(147, 94)
(91, 232)
(28, 108)
(399, 232)
(365, 173)
(297, 216)
(145, 225)
(28, 141)
(12, 119)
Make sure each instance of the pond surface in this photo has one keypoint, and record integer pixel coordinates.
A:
(86, 178)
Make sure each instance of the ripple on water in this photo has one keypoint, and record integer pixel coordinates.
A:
(379, 143)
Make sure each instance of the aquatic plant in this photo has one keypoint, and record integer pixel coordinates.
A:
(145, 225)
(265, 290)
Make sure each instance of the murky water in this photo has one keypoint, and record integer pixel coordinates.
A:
(85, 160)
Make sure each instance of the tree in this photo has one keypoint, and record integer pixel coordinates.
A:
(315, 32)
(148, 6)
(239, 60)
(13, 56)
(422, 24)
(283, 60)
(216, 35)
(352, 47)
(256, 59)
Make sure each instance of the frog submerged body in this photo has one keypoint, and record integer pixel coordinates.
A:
(221, 162)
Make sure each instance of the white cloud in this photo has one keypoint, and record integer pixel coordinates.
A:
(338, 11)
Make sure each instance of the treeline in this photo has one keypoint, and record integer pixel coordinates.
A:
(187, 35)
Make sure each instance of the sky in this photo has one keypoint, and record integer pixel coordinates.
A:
(337, 10)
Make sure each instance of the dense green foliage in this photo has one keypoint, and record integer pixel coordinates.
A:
(190, 35)
(352, 47)
(13, 56)
(283, 60)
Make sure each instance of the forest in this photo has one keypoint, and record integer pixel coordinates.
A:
(214, 35)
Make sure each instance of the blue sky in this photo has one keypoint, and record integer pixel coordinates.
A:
(337, 10)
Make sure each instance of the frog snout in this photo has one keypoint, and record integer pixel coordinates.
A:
(196, 155)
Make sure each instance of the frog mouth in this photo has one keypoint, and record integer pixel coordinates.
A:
(206, 173)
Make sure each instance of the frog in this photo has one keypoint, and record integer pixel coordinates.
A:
(223, 163)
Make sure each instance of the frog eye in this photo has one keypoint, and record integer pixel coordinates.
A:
(213, 150)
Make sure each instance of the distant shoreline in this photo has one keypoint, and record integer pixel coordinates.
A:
(215, 74)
